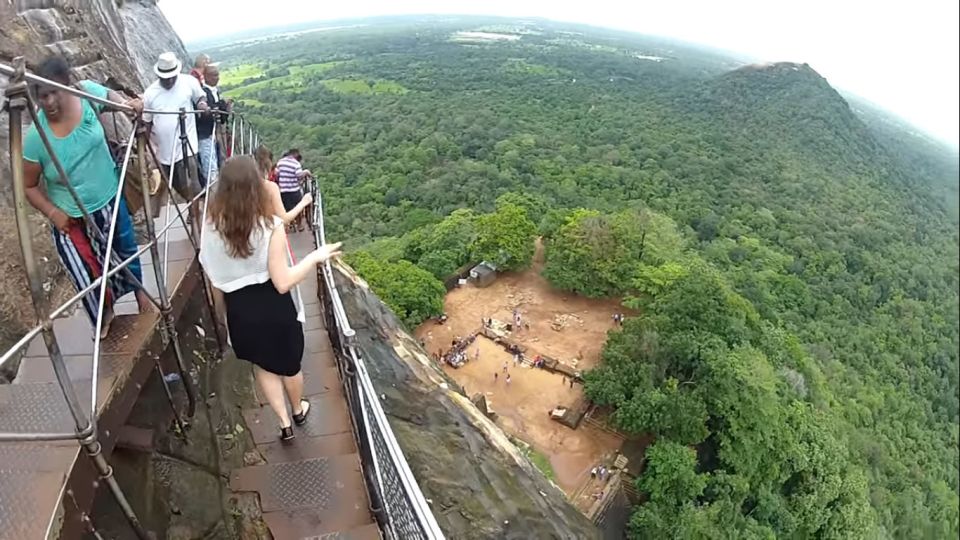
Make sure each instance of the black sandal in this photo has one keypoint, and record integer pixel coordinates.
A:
(286, 434)
(301, 419)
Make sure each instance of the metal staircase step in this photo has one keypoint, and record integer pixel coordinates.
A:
(365, 532)
(317, 380)
(31, 476)
(128, 334)
(328, 416)
(309, 448)
(308, 497)
(39, 407)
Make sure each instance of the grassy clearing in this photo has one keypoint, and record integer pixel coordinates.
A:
(519, 65)
(250, 102)
(355, 86)
(313, 69)
(286, 83)
(296, 78)
(238, 74)
(543, 464)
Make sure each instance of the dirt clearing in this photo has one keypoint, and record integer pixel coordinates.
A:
(524, 405)
(583, 322)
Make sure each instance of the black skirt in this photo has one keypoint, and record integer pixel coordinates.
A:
(264, 328)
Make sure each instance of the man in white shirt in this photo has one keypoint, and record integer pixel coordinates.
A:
(171, 92)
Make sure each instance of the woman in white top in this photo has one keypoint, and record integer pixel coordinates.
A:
(244, 252)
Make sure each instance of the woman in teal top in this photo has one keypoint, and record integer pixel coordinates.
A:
(77, 140)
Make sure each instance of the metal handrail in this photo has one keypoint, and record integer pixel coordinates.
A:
(36, 79)
(368, 396)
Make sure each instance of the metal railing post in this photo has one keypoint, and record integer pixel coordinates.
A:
(241, 136)
(207, 287)
(157, 270)
(17, 102)
(233, 136)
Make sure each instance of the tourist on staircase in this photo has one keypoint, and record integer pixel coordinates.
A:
(264, 159)
(290, 177)
(199, 65)
(171, 92)
(209, 148)
(77, 140)
(244, 252)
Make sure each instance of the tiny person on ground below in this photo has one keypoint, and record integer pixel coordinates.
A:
(244, 252)
(77, 140)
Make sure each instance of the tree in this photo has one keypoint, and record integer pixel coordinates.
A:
(669, 412)
(670, 476)
(699, 307)
(534, 206)
(442, 248)
(599, 255)
(411, 292)
(505, 238)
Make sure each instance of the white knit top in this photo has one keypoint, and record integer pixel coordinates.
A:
(229, 273)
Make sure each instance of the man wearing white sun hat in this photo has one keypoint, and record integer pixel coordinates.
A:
(171, 92)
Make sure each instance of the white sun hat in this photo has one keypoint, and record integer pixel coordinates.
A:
(167, 66)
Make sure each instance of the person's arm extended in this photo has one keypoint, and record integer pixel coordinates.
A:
(286, 277)
(277, 203)
(116, 97)
(38, 197)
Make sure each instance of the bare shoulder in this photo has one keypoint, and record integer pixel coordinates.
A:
(272, 189)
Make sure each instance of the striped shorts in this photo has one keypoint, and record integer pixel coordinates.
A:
(83, 256)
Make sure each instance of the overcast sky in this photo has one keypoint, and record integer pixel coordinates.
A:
(902, 55)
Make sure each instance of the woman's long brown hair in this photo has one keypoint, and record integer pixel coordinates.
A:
(264, 158)
(239, 204)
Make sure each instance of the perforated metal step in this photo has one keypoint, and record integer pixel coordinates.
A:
(308, 497)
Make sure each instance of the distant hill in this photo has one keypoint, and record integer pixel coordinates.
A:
(791, 104)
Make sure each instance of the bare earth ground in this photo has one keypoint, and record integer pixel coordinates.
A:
(586, 320)
(523, 406)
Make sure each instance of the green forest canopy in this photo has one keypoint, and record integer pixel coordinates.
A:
(795, 262)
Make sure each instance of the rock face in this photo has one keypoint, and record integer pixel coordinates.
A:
(102, 40)
(479, 483)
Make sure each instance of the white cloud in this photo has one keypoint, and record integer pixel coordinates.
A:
(902, 56)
